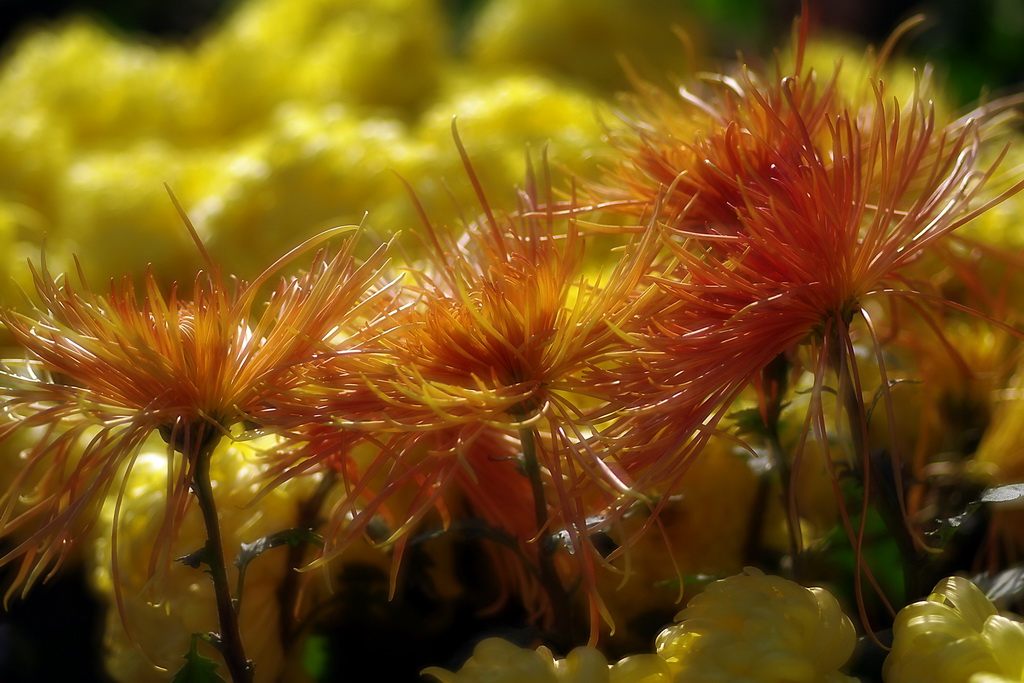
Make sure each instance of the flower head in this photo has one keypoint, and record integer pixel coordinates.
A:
(507, 323)
(841, 198)
(104, 372)
(508, 314)
(499, 661)
(502, 323)
(495, 659)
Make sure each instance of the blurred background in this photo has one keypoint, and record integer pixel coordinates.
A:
(978, 46)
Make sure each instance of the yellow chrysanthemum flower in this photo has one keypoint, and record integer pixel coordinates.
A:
(34, 150)
(288, 118)
(377, 54)
(499, 661)
(755, 628)
(112, 210)
(955, 635)
(310, 168)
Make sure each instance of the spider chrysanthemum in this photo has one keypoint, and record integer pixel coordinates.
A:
(104, 372)
(500, 325)
(842, 199)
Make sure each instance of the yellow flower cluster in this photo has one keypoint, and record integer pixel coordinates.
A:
(500, 661)
(753, 628)
(576, 39)
(288, 118)
(704, 531)
(748, 628)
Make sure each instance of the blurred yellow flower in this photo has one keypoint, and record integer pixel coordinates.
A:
(582, 42)
(496, 660)
(500, 119)
(704, 530)
(379, 55)
(290, 117)
(95, 90)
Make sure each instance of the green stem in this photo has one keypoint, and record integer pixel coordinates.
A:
(550, 580)
(231, 648)
(781, 460)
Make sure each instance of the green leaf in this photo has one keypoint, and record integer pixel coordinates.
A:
(1004, 588)
(250, 551)
(880, 394)
(316, 656)
(197, 668)
(837, 555)
(1002, 494)
(197, 558)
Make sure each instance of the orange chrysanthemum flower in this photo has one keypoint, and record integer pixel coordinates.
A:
(500, 330)
(104, 372)
(507, 319)
(839, 202)
(502, 337)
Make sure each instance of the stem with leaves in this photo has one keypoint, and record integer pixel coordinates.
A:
(213, 556)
